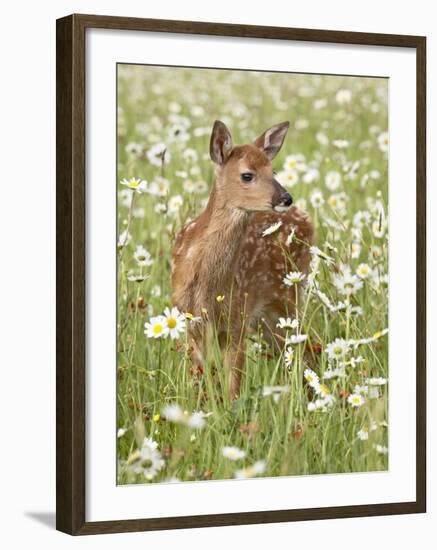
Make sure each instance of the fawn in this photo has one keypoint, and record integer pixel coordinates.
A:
(223, 252)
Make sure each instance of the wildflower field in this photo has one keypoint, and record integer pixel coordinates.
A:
(321, 404)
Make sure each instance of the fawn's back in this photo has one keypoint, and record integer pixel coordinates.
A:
(265, 260)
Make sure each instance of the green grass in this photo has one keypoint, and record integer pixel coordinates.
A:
(154, 373)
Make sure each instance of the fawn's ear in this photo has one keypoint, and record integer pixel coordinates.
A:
(272, 139)
(221, 143)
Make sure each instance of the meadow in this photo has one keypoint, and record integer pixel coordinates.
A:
(298, 413)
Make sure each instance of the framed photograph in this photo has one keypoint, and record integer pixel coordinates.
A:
(240, 274)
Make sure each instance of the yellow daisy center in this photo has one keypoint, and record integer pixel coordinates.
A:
(157, 329)
(171, 322)
(133, 184)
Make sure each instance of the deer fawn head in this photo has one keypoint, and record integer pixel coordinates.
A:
(245, 176)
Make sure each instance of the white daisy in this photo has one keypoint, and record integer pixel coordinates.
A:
(363, 390)
(142, 256)
(363, 434)
(173, 413)
(159, 187)
(315, 251)
(289, 357)
(125, 197)
(361, 218)
(134, 149)
(378, 228)
(295, 162)
(322, 138)
(258, 468)
(381, 449)
(301, 124)
(190, 155)
(288, 178)
(311, 176)
(337, 349)
(160, 208)
(343, 96)
(338, 203)
(124, 239)
(340, 143)
(356, 400)
(347, 284)
(363, 271)
(139, 213)
(311, 378)
(147, 460)
(316, 199)
(156, 291)
(196, 420)
(355, 250)
(189, 186)
(323, 298)
(135, 184)
(174, 322)
(287, 323)
(376, 381)
(333, 373)
(290, 237)
(272, 228)
(383, 142)
(295, 339)
(293, 278)
(320, 103)
(371, 339)
(275, 392)
(158, 154)
(200, 187)
(137, 277)
(233, 453)
(322, 404)
(156, 327)
(257, 346)
(174, 204)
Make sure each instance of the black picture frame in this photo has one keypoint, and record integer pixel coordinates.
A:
(71, 281)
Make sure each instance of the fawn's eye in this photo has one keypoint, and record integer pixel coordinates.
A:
(247, 176)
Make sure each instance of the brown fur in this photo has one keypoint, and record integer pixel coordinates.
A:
(222, 251)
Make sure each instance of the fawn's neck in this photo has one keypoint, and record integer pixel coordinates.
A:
(222, 238)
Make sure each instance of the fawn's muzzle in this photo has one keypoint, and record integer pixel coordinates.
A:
(287, 200)
(282, 200)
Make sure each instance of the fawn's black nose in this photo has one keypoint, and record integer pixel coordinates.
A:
(287, 200)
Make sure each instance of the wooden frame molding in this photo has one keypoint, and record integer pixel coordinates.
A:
(71, 284)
